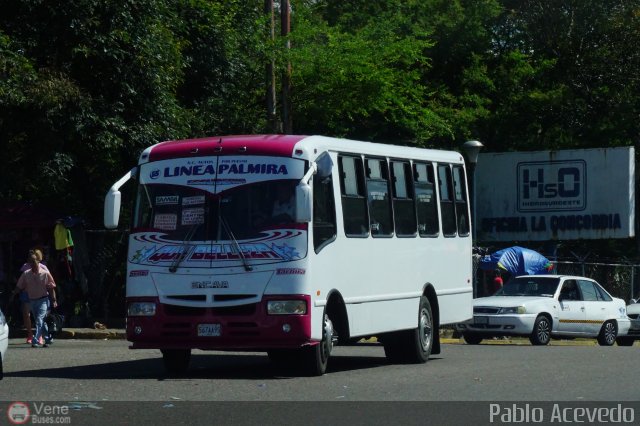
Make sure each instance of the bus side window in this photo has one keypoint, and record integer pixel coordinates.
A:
(381, 218)
(460, 196)
(404, 209)
(324, 212)
(447, 206)
(426, 202)
(354, 202)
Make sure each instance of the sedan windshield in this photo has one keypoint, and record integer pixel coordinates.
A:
(530, 286)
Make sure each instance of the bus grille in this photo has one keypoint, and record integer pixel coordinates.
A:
(191, 311)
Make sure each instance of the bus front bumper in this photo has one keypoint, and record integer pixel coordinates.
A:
(245, 327)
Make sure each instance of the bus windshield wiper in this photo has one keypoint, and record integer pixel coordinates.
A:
(187, 239)
(236, 245)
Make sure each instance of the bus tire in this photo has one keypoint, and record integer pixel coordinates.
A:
(284, 359)
(412, 346)
(176, 361)
(422, 337)
(472, 339)
(316, 358)
(625, 341)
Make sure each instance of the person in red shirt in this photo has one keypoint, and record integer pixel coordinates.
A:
(497, 281)
(38, 283)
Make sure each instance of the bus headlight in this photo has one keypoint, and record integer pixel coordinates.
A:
(141, 309)
(286, 307)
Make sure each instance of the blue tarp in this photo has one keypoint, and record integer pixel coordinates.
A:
(517, 261)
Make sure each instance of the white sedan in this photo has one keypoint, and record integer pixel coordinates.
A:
(545, 306)
(4, 340)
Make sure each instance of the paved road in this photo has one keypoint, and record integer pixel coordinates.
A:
(106, 370)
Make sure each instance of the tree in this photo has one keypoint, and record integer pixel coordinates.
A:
(568, 75)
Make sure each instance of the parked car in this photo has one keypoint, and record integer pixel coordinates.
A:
(4, 341)
(633, 312)
(548, 306)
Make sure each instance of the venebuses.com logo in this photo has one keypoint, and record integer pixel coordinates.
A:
(20, 413)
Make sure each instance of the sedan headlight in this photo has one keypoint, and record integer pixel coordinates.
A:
(286, 307)
(141, 309)
(512, 310)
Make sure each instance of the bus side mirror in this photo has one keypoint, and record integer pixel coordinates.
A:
(112, 209)
(112, 201)
(303, 203)
(324, 165)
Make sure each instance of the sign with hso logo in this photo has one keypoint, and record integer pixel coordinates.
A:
(552, 186)
(543, 195)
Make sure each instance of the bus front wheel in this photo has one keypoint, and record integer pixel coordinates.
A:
(316, 357)
(176, 361)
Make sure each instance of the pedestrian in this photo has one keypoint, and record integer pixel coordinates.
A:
(39, 285)
(497, 280)
(24, 299)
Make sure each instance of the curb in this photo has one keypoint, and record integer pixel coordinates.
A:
(92, 334)
(78, 333)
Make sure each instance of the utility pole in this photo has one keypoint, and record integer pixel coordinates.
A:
(270, 74)
(285, 23)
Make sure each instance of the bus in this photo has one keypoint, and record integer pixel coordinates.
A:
(376, 242)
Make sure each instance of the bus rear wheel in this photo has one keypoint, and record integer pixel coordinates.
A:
(412, 346)
(472, 339)
(176, 361)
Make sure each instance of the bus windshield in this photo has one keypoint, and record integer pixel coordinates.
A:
(188, 214)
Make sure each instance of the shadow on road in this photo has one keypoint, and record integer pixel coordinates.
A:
(203, 365)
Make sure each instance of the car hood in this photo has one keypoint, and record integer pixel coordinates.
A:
(508, 301)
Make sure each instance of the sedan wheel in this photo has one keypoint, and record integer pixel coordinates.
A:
(608, 334)
(541, 334)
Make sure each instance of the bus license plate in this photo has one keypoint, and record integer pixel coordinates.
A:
(481, 320)
(209, 330)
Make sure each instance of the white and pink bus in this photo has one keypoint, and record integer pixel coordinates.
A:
(375, 241)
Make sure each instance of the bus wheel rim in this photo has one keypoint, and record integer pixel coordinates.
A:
(425, 329)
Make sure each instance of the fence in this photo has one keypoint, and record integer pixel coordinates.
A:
(618, 279)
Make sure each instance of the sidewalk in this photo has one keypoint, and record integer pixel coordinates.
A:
(77, 333)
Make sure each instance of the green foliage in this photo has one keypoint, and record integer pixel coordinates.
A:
(365, 85)
(85, 85)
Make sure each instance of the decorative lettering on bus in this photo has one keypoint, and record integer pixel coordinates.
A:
(193, 216)
(190, 201)
(290, 271)
(219, 182)
(217, 252)
(210, 284)
(167, 199)
(223, 169)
